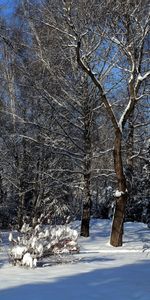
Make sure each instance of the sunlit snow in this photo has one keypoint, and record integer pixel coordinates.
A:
(99, 272)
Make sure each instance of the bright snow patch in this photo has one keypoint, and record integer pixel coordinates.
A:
(27, 260)
(18, 251)
(118, 194)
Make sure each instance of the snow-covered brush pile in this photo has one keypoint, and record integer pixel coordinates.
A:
(44, 241)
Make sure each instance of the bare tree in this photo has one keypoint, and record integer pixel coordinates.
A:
(125, 32)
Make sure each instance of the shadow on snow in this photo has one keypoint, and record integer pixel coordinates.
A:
(128, 282)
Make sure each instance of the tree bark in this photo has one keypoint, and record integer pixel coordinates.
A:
(21, 210)
(87, 202)
(130, 142)
(118, 219)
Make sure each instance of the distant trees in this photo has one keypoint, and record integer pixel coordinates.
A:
(60, 87)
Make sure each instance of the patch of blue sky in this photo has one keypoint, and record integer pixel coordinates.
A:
(7, 7)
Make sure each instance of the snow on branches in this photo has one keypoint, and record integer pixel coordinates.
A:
(43, 241)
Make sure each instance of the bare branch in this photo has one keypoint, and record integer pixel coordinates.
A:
(88, 71)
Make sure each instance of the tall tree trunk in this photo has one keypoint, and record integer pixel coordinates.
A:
(87, 202)
(21, 163)
(129, 169)
(121, 199)
(130, 143)
(1, 190)
(21, 210)
(86, 213)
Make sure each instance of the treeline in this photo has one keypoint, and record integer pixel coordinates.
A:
(74, 113)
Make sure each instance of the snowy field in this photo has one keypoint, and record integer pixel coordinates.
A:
(98, 272)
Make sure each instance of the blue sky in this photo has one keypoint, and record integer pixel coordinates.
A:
(6, 7)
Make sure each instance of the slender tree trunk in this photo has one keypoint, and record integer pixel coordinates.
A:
(1, 195)
(21, 163)
(87, 202)
(118, 219)
(9, 76)
(1, 190)
(21, 210)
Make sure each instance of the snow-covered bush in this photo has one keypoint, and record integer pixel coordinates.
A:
(43, 241)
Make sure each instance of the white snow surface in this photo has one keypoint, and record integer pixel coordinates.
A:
(100, 272)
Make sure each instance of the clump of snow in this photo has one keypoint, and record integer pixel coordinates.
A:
(17, 252)
(10, 238)
(43, 241)
(28, 260)
(118, 194)
(25, 228)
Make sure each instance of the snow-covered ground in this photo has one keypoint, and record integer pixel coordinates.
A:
(98, 272)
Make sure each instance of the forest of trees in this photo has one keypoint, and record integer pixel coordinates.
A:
(75, 112)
